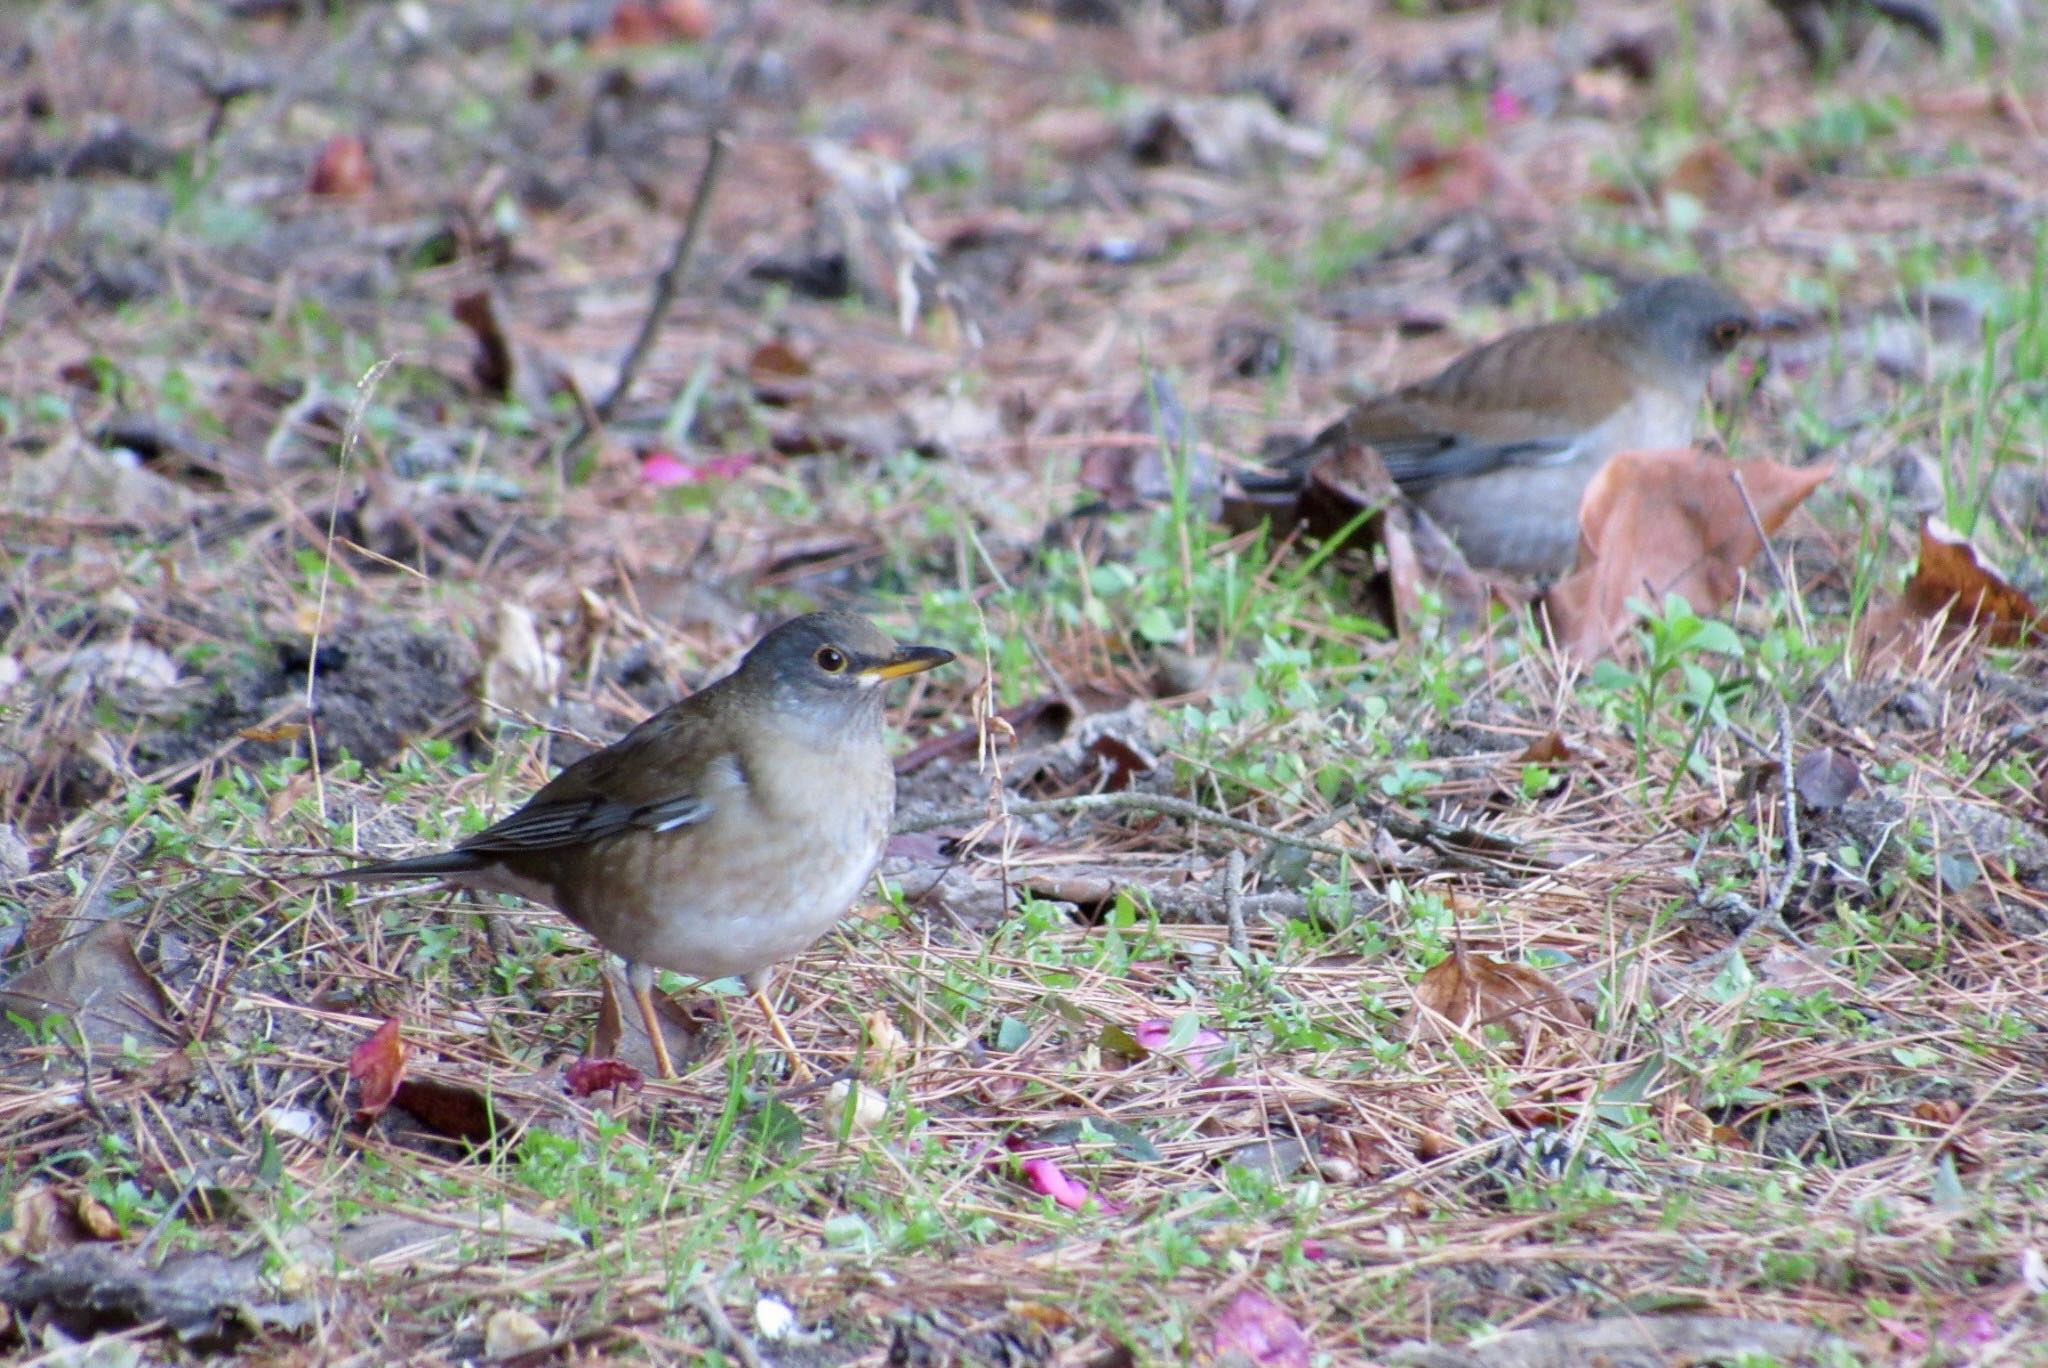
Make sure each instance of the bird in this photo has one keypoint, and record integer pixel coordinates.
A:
(722, 835)
(1830, 32)
(1498, 446)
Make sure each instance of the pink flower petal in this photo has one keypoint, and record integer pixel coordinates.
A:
(1904, 1335)
(1253, 1327)
(1504, 106)
(664, 468)
(1045, 1176)
(729, 466)
(1049, 1178)
(1977, 1327)
(1156, 1035)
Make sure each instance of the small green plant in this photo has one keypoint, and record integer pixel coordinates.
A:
(1671, 644)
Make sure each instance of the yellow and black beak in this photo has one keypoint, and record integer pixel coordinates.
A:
(908, 660)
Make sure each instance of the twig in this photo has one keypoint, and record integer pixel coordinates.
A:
(351, 438)
(1038, 655)
(1408, 828)
(1795, 855)
(1772, 913)
(13, 276)
(1126, 802)
(668, 282)
(721, 1325)
(1770, 553)
(1233, 910)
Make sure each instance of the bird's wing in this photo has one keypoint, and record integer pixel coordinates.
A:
(660, 776)
(1423, 445)
(1523, 399)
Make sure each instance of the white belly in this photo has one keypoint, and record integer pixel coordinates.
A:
(734, 906)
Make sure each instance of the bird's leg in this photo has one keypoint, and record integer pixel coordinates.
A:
(799, 1072)
(640, 978)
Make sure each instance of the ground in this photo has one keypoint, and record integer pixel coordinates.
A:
(1283, 958)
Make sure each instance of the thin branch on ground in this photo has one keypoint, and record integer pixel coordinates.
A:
(1772, 914)
(666, 285)
(1233, 907)
(1763, 538)
(1408, 828)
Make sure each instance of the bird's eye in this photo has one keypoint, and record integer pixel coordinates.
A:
(831, 659)
(1728, 332)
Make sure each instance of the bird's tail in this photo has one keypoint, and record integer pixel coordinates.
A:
(438, 865)
(1286, 472)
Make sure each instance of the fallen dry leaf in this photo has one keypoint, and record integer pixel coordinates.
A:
(587, 1077)
(1711, 174)
(378, 1064)
(495, 363)
(1667, 522)
(622, 1035)
(1955, 581)
(511, 1332)
(1955, 590)
(1825, 779)
(520, 672)
(1547, 749)
(1350, 488)
(96, 981)
(342, 167)
(43, 1220)
(1470, 990)
(887, 1046)
(643, 23)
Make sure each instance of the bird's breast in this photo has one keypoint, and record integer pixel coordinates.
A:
(1657, 417)
(778, 860)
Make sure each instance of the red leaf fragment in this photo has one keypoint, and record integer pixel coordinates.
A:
(588, 1076)
(377, 1065)
(342, 168)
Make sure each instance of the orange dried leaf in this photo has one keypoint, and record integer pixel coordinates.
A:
(342, 168)
(777, 360)
(1667, 522)
(94, 1218)
(1955, 585)
(1711, 174)
(378, 1064)
(1470, 990)
(642, 23)
(283, 731)
(1547, 749)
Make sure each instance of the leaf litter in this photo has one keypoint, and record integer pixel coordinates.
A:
(940, 296)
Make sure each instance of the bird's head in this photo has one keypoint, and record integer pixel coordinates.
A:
(830, 668)
(1687, 322)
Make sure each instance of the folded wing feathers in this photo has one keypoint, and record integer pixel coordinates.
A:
(549, 825)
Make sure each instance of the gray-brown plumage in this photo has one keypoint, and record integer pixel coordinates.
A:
(725, 833)
(1498, 447)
